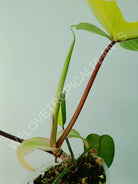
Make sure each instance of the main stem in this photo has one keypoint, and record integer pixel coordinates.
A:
(85, 94)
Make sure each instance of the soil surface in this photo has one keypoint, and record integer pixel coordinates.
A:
(87, 171)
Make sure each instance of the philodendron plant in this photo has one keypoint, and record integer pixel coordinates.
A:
(102, 146)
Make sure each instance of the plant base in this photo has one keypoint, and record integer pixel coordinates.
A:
(86, 171)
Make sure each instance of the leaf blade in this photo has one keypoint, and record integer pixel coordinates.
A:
(91, 139)
(104, 145)
(73, 134)
(91, 28)
(110, 16)
(31, 145)
(130, 45)
(56, 105)
(107, 149)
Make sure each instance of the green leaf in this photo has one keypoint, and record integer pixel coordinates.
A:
(104, 145)
(56, 104)
(110, 16)
(91, 28)
(62, 109)
(31, 145)
(88, 148)
(91, 139)
(130, 44)
(73, 134)
(106, 149)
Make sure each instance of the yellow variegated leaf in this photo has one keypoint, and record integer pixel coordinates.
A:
(60, 120)
(31, 145)
(110, 16)
(62, 109)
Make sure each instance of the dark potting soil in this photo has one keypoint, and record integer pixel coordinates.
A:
(87, 171)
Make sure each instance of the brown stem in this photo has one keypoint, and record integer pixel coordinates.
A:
(12, 137)
(85, 94)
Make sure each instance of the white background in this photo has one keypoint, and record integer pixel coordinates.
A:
(34, 41)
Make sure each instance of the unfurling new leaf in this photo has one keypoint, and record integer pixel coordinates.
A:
(56, 104)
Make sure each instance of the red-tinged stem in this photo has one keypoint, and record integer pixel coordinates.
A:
(84, 97)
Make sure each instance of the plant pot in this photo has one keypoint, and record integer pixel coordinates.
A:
(41, 171)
